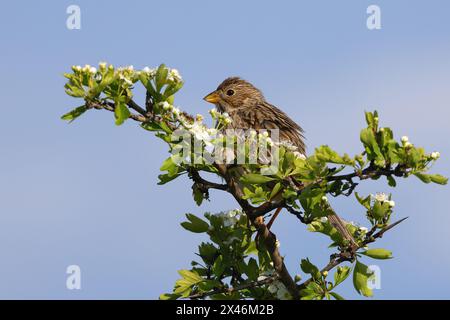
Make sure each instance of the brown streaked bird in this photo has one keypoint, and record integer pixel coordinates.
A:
(249, 109)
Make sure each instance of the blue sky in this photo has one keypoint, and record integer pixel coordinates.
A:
(86, 193)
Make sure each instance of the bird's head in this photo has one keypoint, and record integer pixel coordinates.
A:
(234, 93)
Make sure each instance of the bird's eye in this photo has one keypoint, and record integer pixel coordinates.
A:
(230, 92)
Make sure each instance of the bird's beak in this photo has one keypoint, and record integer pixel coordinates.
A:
(213, 97)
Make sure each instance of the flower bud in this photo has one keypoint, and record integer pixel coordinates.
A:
(391, 203)
(102, 65)
(297, 278)
(405, 139)
(325, 273)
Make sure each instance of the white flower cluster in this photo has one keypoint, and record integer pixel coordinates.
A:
(229, 218)
(223, 118)
(150, 71)
(405, 142)
(382, 197)
(435, 155)
(174, 76)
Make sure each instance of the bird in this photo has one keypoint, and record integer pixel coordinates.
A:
(248, 109)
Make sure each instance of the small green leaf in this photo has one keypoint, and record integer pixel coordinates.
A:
(254, 178)
(252, 269)
(190, 276)
(195, 224)
(361, 274)
(275, 190)
(341, 274)
(309, 268)
(439, 179)
(121, 112)
(75, 113)
(363, 201)
(378, 253)
(337, 296)
(391, 181)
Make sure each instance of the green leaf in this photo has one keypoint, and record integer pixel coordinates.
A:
(361, 274)
(190, 276)
(75, 91)
(427, 178)
(121, 112)
(169, 296)
(437, 178)
(208, 252)
(391, 181)
(337, 296)
(309, 268)
(161, 76)
(151, 126)
(219, 266)
(341, 274)
(378, 253)
(380, 209)
(275, 190)
(373, 150)
(254, 178)
(195, 224)
(252, 269)
(363, 201)
(75, 113)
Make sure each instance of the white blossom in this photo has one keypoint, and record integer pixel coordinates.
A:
(213, 112)
(408, 145)
(435, 155)
(324, 199)
(380, 196)
(130, 68)
(405, 139)
(363, 229)
(391, 203)
(176, 111)
(323, 219)
(125, 79)
(174, 75)
(149, 71)
(229, 218)
(86, 67)
(92, 70)
(165, 105)
(200, 132)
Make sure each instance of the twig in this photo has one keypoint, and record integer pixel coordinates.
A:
(204, 184)
(338, 258)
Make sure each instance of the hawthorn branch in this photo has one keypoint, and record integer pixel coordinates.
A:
(203, 184)
(265, 235)
(110, 106)
(240, 287)
(349, 255)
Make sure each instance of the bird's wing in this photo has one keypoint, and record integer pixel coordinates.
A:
(267, 116)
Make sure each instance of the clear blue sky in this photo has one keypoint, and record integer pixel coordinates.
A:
(86, 193)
